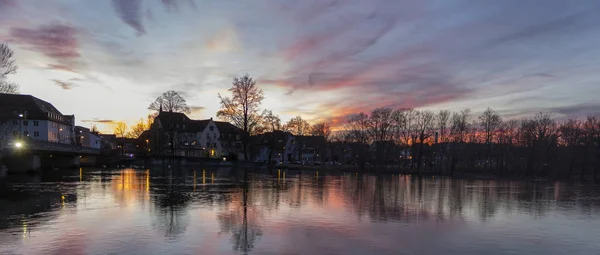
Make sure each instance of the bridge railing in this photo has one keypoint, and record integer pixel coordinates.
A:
(37, 145)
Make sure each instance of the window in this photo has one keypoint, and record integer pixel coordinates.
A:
(36, 123)
(25, 123)
(36, 134)
(212, 128)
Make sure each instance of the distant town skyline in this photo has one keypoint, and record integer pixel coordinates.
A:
(106, 61)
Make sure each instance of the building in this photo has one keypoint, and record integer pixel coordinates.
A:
(127, 147)
(284, 147)
(86, 138)
(109, 141)
(174, 134)
(272, 146)
(25, 117)
(309, 148)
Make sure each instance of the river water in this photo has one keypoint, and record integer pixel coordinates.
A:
(204, 211)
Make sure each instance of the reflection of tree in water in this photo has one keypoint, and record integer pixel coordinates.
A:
(171, 203)
(410, 198)
(241, 221)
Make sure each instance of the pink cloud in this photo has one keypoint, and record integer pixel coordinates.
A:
(56, 41)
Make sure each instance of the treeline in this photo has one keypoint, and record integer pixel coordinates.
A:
(421, 141)
(445, 142)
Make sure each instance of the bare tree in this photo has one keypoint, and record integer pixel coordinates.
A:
(271, 122)
(170, 101)
(120, 129)
(242, 108)
(508, 135)
(424, 125)
(321, 129)
(592, 138)
(137, 129)
(404, 120)
(458, 132)
(7, 66)
(571, 136)
(538, 134)
(443, 136)
(297, 126)
(490, 121)
(357, 135)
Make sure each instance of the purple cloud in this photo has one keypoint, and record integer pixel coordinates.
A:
(56, 41)
(64, 85)
(130, 12)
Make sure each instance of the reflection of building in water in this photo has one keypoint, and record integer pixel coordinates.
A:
(131, 186)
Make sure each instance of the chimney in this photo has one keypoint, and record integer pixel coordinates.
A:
(210, 118)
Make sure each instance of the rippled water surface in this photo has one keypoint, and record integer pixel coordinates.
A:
(196, 211)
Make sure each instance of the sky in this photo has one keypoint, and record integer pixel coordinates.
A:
(106, 61)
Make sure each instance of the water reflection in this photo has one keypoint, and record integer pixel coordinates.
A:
(223, 210)
(241, 219)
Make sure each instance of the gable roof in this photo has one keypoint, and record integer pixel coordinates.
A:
(172, 119)
(226, 127)
(35, 108)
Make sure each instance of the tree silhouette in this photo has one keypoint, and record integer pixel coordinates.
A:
(120, 129)
(7, 66)
(170, 101)
(241, 109)
(321, 129)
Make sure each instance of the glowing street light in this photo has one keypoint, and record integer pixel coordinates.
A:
(18, 144)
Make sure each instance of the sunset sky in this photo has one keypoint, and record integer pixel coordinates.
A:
(106, 61)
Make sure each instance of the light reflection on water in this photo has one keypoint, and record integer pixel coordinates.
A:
(208, 211)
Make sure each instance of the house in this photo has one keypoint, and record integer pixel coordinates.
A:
(272, 146)
(307, 148)
(86, 138)
(109, 141)
(174, 134)
(127, 147)
(28, 117)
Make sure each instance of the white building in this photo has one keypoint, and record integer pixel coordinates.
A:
(87, 138)
(26, 117)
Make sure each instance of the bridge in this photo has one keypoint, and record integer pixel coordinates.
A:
(50, 147)
(33, 155)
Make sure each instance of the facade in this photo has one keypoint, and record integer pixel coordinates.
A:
(25, 117)
(284, 147)
(273, 146)
(309, 148)
(174, 134)
(85, 138)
